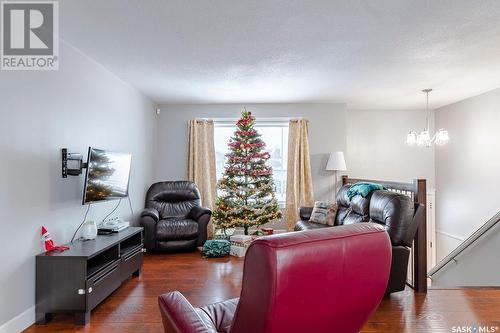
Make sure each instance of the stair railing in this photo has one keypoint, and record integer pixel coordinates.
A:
(465, 244)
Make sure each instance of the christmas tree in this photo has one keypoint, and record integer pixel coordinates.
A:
(247, 192)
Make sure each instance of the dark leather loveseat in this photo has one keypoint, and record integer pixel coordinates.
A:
(173, 218)
(397, 213)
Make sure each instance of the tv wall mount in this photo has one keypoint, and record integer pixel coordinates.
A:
(67, 156)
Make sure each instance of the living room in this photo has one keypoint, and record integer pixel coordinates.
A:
(335, 89)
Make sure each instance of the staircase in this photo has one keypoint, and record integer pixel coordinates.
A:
(474, 263)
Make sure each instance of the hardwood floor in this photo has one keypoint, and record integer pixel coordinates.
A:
(133, 307)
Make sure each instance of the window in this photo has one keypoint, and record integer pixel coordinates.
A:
(274, 134)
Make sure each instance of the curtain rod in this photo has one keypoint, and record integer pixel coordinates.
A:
(263, 119)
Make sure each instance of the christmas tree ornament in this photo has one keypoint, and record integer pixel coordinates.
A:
(247, 191)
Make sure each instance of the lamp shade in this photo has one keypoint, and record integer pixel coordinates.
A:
(336, 161)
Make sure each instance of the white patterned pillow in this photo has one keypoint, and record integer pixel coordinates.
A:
(324, 212)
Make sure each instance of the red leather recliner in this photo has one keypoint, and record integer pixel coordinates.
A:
(325, 280)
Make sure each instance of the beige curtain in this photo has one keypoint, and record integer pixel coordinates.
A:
(299, 191)
(201, 162)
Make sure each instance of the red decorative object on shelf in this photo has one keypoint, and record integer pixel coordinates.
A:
(49, 243)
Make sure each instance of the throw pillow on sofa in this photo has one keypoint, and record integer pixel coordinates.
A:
(324, 212)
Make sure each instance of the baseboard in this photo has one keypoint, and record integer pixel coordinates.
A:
(20, 322)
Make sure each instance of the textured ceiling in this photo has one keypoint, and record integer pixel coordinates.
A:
(368, 54)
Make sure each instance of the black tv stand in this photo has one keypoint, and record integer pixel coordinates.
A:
(78, 279)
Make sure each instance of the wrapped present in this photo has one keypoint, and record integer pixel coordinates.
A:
(241, 239)
(216, 248)
(268, 231)
(238, 251)
(240, 244)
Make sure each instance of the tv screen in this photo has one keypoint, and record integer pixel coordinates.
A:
(107, 176)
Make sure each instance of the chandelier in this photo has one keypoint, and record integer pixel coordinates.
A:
(424, 138)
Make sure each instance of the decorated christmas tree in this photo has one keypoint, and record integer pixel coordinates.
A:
(246, 190)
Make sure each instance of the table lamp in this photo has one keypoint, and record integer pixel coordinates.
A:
(336, 162)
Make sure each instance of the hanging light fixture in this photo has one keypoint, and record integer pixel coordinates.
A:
(424, 138)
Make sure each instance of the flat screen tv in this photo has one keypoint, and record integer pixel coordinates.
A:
(107, 176)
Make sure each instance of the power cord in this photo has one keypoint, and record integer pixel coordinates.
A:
(131, 209)
(114, 209)
(84, 218)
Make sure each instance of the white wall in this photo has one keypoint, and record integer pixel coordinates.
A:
(376, 146)
(373, 140)
(445, 243)
(78, 106)
(326, 134)
(467, 168)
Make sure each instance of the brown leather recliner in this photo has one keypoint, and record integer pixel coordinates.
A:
(321, 281)
(397, 213)
(173, 218)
